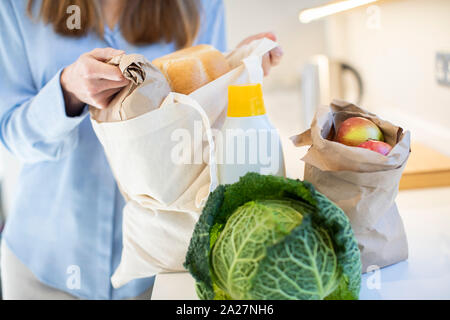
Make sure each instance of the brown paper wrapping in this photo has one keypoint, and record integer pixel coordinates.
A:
(147, 89)
(362, 182)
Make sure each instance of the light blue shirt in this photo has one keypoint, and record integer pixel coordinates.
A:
(67, 212)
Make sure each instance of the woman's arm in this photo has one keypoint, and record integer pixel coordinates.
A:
(33, 122)
(40, 124)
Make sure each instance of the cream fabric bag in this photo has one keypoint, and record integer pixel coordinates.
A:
(164, 198)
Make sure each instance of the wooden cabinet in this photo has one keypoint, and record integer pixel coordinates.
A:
(426, 168)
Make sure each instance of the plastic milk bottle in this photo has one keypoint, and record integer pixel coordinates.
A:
(247, 141)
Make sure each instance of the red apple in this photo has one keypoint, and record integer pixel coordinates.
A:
(357, 130)
(377, 146)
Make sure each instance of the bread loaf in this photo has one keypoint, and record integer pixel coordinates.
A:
(188, 69)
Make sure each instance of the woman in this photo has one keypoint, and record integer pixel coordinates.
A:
(63, 239)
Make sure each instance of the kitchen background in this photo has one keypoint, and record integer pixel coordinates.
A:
(399, 48)
(393, 45)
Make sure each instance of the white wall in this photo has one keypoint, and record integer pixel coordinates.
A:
(397, 61)
(299, 41)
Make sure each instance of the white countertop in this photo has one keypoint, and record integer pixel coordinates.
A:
(425, 275)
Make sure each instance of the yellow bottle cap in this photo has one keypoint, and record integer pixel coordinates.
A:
(245, 101)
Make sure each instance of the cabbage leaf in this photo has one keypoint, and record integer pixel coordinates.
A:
(268, 237)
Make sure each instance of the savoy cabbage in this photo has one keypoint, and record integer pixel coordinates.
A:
(267, 237)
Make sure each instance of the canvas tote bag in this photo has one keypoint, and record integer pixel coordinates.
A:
(164, 198)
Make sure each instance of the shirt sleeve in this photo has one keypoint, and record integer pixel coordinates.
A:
(213, 27)
(33, 121)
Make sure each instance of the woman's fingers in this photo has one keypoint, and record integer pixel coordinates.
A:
(266, 63)
(275, 56)
(100, 70)
(95, 66)
(104, 98)
(270, 59)
(268, 35)
(105, 54)
(91, 80)
(101, 85)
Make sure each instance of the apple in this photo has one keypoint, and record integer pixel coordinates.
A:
(357, 130)
(377, 146)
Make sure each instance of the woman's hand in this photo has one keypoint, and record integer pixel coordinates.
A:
(270, 59)
(90, 80)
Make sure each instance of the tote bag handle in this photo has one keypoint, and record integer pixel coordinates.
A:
(188, 101)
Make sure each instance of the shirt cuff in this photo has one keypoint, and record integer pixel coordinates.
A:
(48, 110)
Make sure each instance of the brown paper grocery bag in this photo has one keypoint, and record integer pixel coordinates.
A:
(362, 182)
